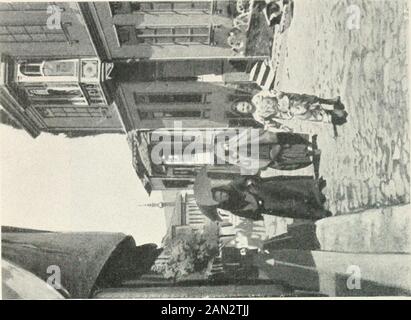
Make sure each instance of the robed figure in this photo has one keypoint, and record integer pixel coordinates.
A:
(298, 197)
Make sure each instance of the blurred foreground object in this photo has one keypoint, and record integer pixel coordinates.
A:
(18, 283)
(86, 261)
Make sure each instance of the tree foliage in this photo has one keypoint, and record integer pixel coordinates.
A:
(189, 253)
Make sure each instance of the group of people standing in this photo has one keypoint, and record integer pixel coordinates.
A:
(298, 197)
(280, 147)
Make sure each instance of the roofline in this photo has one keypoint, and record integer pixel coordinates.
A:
(11, 105)
(26, 123)
(95, 30)
(123, 112)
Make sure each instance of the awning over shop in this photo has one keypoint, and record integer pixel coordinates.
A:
(139, 145)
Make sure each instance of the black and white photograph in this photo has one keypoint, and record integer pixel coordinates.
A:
(216, 149)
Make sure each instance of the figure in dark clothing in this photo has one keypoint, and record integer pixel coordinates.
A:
(277, 150)
(297, 197)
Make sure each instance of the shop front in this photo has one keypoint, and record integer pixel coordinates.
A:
(59, 95)
(171, 158)
(63, 82)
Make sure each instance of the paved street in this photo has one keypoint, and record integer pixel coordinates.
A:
(368, 164)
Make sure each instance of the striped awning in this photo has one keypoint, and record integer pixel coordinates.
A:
(264, 75)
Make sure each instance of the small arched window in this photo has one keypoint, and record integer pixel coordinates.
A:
(30, 69)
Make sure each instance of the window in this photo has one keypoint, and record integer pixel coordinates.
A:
(27, 70)
(68, 68)
(118, 8)
(161, 7)
(31, 69)
(184, 172)
(174, 34)
(124, 34)
(178, 98)
(162, 35)
(55, 94)
(171, 6)
(173, 98)
(177, 184)
(239, 96)
(34, 33)
(167, 114)
(73, 112)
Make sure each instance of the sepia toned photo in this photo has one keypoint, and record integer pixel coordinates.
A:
(205, 149)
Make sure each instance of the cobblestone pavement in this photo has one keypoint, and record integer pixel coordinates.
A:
(368, 164)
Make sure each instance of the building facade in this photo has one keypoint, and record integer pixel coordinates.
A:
(120, 66)
(109, 67)
(51, 78)
(171, 158)
(179, 29)
(176, 91)
(173, 60)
